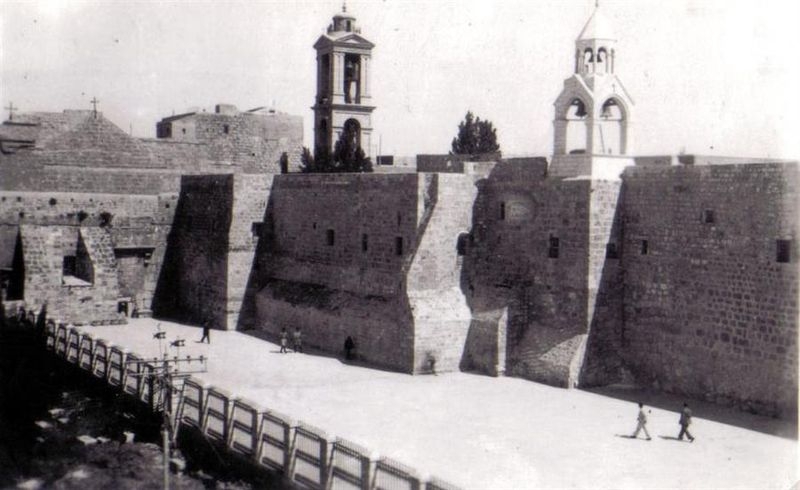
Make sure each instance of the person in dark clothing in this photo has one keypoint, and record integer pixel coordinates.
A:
(349, 347)
(685, 421)
(206, 332)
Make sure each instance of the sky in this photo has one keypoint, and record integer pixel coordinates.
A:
(706, 76)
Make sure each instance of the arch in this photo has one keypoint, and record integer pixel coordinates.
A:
(576, 128)
(576, 109)
(352, 131)
(612, 127)
(588, 60)
(602, 60)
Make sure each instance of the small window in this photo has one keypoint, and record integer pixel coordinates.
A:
(611, 251)
(553, 250)
(784, 251)
(398, 245)
(364, 242)
(68, 267)
(645, 248)
(53, 201)
(708, 216)
(257, 228)
(330, 237)
(226, 129)
(183, 130)
(502, 211)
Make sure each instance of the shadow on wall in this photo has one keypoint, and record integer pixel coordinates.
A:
(489, 294)
(248, 314)
(539, 279)
(602, 363)
(192, 285)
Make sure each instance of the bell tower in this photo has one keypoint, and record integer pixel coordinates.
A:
(593, 112)
(344, 99)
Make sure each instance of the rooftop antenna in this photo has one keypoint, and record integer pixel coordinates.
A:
(11, 110)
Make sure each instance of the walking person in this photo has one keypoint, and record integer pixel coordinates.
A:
(685, 421)
(297, 340)
(206, 332)
(641, 423)
(284, 340)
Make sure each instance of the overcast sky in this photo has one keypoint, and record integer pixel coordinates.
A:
(706, 76)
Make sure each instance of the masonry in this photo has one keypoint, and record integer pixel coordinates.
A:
(373, 257)
(76, 170)
(711, 282)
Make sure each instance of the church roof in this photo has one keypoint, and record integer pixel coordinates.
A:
(597, 27)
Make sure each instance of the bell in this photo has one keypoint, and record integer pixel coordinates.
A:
(606, 112)
(581, 112)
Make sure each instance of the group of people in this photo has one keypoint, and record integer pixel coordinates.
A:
(684, 421)
(297, 340)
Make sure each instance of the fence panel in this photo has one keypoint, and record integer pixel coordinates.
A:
(101, 351)
(215, 418)
(310, 458)
(73, 345)
(351, 466)
(147, 383)
(275, 444)
(243, 437)
(85, 352)
(116, 366)
(50, 336)
(192, 411)
(131, 383)
(61, 341)
(392, 475)
(437, 484)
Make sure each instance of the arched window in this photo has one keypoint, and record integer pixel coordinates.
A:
(602, 60)
(352, 131)
(588, 60)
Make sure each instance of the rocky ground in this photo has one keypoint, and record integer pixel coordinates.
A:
(61, 430)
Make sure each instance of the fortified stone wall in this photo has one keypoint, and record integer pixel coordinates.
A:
(529, 255)
(372, 257)
(340, 244)
(193, 284)
(250, 196)
(711, 282)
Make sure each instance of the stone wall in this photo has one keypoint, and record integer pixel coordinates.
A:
(709, 310)
(372, 257)
(192, 286)
(44, 248)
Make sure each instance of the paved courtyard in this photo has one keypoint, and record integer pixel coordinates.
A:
(491, 433)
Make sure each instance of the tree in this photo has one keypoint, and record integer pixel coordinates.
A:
(347, 156)
(475, 137)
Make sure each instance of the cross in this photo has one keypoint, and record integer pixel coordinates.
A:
(94, 102)
(11, 110)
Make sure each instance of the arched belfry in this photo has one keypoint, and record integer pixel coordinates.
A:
(593, 113)
(344, 99)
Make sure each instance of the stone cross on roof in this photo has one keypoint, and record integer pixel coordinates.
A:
(94, 103)
(11, 110)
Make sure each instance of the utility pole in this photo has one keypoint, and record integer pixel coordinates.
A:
(165, 370)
